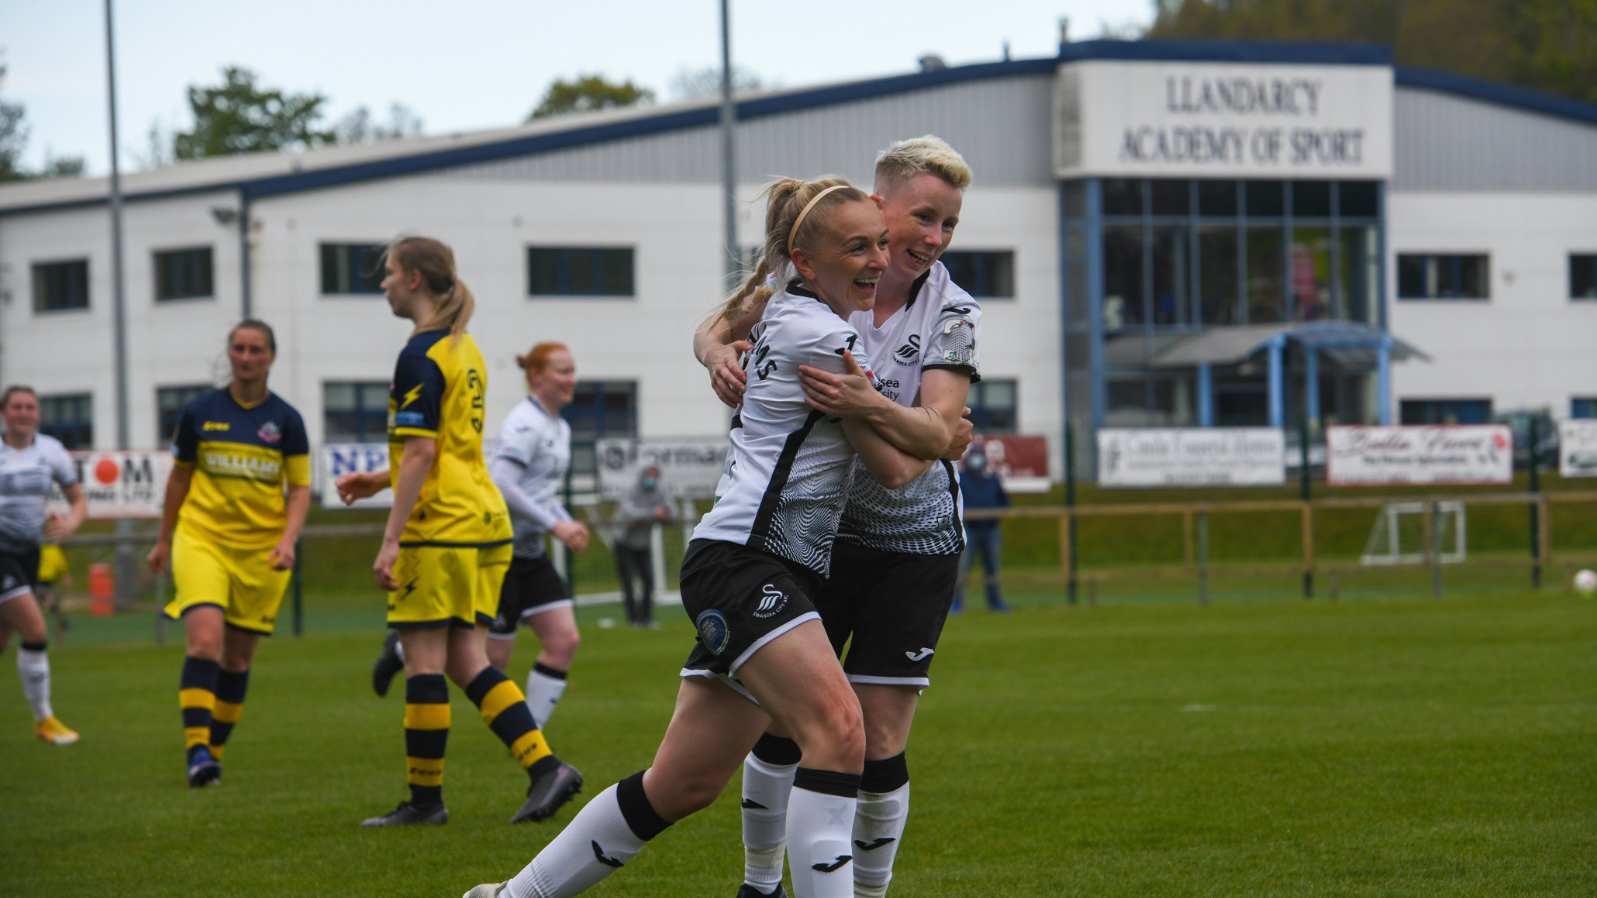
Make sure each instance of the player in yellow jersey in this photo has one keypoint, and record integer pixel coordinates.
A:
(235, 503)
(446, 545)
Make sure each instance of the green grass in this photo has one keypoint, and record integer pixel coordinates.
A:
(1366, 747)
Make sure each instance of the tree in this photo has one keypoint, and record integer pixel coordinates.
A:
(359, 126)
(240, 116)
(588, 93)
(1547, 45)
(13, 137)
(696, 84)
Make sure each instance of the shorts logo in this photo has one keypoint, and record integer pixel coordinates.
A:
(269, 432)
(772, 601)
(921, 655)
(713, 631)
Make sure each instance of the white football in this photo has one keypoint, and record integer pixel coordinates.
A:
(1586, 582)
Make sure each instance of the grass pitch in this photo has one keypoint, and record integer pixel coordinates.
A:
(1370, 747)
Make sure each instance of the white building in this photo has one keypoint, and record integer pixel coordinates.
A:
(1161, 233)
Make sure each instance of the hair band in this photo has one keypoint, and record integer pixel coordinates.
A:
(806, 211)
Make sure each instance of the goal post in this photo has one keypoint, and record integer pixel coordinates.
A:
(1398, 534)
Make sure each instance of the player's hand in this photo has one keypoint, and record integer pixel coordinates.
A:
(54, 529)
(963, 432)
(572, 533)
(847, 395)
(157, 559)
(383, 567)
(727, 376)
(356, 485)
(283, 555)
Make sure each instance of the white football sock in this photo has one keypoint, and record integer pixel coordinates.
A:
(34, 668)
(543, 693)
(878, 829)
(818, 849)
(766, 786)
(592, 846)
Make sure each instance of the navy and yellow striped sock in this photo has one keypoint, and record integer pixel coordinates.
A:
(426, 735)
(197, 698)
(505, 710)
(230, 690)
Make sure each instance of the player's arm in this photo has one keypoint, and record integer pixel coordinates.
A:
(296, 505)
(925, 430)
(418, 460)
(888, 465)
(719, 342)
(505, 472)
(177, 490)
(360, 484)
(58, 528)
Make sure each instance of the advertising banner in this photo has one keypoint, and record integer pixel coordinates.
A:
(1419, 454)
(1192, 456)
(690, 467)
(342, 458)
(1019, 460)
(1577, 447)
(122, 483)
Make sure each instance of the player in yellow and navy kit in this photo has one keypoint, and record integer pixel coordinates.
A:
(447, 541)
(235, 504)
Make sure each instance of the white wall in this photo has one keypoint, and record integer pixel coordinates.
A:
(1528, 344)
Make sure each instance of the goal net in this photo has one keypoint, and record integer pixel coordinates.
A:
(1398, 536)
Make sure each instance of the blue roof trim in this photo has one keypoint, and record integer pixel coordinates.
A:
(1492, 92)
(103, 199)
(1277, 52)
(644, 126)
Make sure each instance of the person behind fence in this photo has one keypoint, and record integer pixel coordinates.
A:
(446, 542)
(235, 503)
(754, 562)
(30, 463)
(981, 489)
(637, 514)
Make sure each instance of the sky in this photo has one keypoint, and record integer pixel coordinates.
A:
(465, 65)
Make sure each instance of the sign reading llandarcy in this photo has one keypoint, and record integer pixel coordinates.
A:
(1198, 119)
(1419, 454)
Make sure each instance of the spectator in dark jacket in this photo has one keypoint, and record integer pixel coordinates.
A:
(636, 515)
(981, 489)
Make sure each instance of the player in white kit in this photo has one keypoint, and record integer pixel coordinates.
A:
(752, 570)
(30, 462)
(896, 562)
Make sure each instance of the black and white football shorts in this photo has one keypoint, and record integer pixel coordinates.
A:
(889, 609)
(740, 599)
(532, 585)
(19, 573)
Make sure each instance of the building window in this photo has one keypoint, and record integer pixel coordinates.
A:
(993, 403)
(599, 409)
(579, 271)
(1443, 276)
(1445, 411)
(352, 268)
(355, 411)
(1583, 407)
(1583, 275)
(183, 274)
(59, 286)
(169, 405)
(985, 274)
(69, 418)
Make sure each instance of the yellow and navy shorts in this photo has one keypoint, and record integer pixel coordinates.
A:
(237, 579)
(455, 586)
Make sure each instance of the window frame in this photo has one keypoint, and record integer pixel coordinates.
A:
(1586, 278)
(986, 266)
(166, 429)
(1456, 262)
(363, 416)
(350, 256)
(982, 412)
(567, 259)
(42, 283)
(78, 431)
(180, 260)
